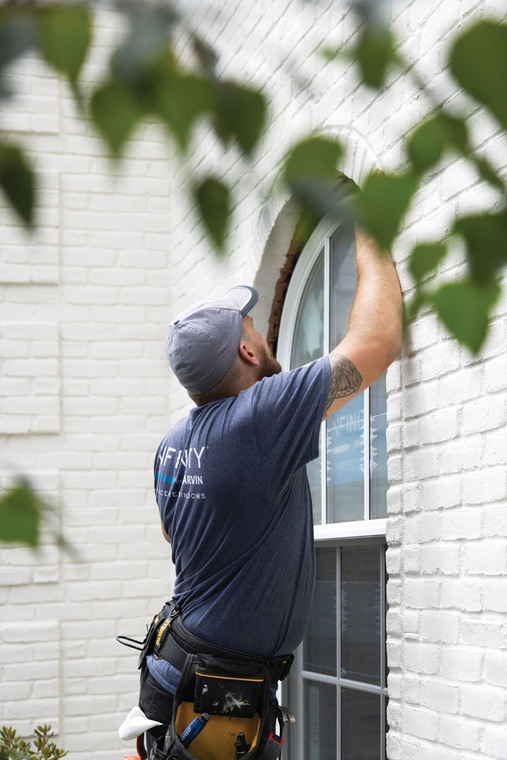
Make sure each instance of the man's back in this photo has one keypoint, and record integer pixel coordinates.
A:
(233, 496)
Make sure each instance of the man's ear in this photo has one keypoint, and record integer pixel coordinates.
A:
(248, 355)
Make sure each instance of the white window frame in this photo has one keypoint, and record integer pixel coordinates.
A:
(331, 534)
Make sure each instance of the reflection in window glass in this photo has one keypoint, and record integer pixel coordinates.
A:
(360, 725)
(343, 282)
(320, 721)
(308, 344)
(319, 651)
(345, 462)
(360, 614)
(378, 449)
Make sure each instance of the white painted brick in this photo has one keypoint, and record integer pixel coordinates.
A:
(485, 703)
(441, 559)
(486, 558)
(495, 745)
(495, 668)
(494, 451)
(459, 595)
(422, 528)
(441, 492)
(421, 594)
(461, 664)
(441, 697)
(420, 722)
(461, 523)
(422, 658)
(486, 633)
(491, 486)
(459, 732)
(440, 626)
(495, 595)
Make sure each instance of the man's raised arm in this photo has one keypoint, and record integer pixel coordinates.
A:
(374, 332)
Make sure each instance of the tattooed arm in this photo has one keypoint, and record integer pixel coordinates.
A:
(374, 331)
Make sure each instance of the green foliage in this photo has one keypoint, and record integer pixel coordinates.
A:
(146, 79)
(465, 308)
(20, 515)
(383, 202)
(374, 53)
(23, 512)
(478, 60)
(116, 113)
(427, 144)
(17, 180)
(65, 36)
(12, 747)
(213, 200)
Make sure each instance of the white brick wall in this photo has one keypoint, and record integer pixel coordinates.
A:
(86, 394)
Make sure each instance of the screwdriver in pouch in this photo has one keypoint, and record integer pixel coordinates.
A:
(193, 729)
(242, 747)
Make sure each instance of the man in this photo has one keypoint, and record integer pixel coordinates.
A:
(230, 478)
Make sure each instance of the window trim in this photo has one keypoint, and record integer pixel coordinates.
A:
(318, 241)
(326, 534)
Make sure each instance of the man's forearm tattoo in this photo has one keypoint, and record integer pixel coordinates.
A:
(345, 379)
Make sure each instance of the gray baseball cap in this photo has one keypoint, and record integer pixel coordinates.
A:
(203, 340)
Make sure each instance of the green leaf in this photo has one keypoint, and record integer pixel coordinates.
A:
(412, 309)
(116, 112)
(17, 180)
(147, 39)
(488, 173)
(18, 34)
(240, 114)
(66, 32)
(20, 515)
(478, 60)
(313, 158)
(179, 99)
(374, 53)
(206, 56)
(383, 203)
(424, 259)
(465, 309)
(485, 236)
(213, 201)
(311, 174)
(426, 145)
(330, 53)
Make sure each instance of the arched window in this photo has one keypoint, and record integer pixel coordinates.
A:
(338, 688)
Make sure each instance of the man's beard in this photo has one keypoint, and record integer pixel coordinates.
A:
(268, 365)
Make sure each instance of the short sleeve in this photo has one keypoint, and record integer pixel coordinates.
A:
(286, 415)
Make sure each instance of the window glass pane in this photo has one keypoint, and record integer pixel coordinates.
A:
(360, 726)
(378, 449)
(345, 462)
(307, 345)
(320, 721)
(308, 342)
(319, 650)
(360, 613)
(343, 282)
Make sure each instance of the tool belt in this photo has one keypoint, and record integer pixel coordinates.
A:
(232, 690)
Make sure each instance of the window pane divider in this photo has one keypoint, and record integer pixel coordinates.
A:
(362, 686)
(366, 449)
(319, 677)
(327, 349)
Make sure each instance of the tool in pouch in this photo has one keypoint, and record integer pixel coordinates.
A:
(233, 688)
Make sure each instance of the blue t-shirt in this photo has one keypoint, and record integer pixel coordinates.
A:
(231, 486)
